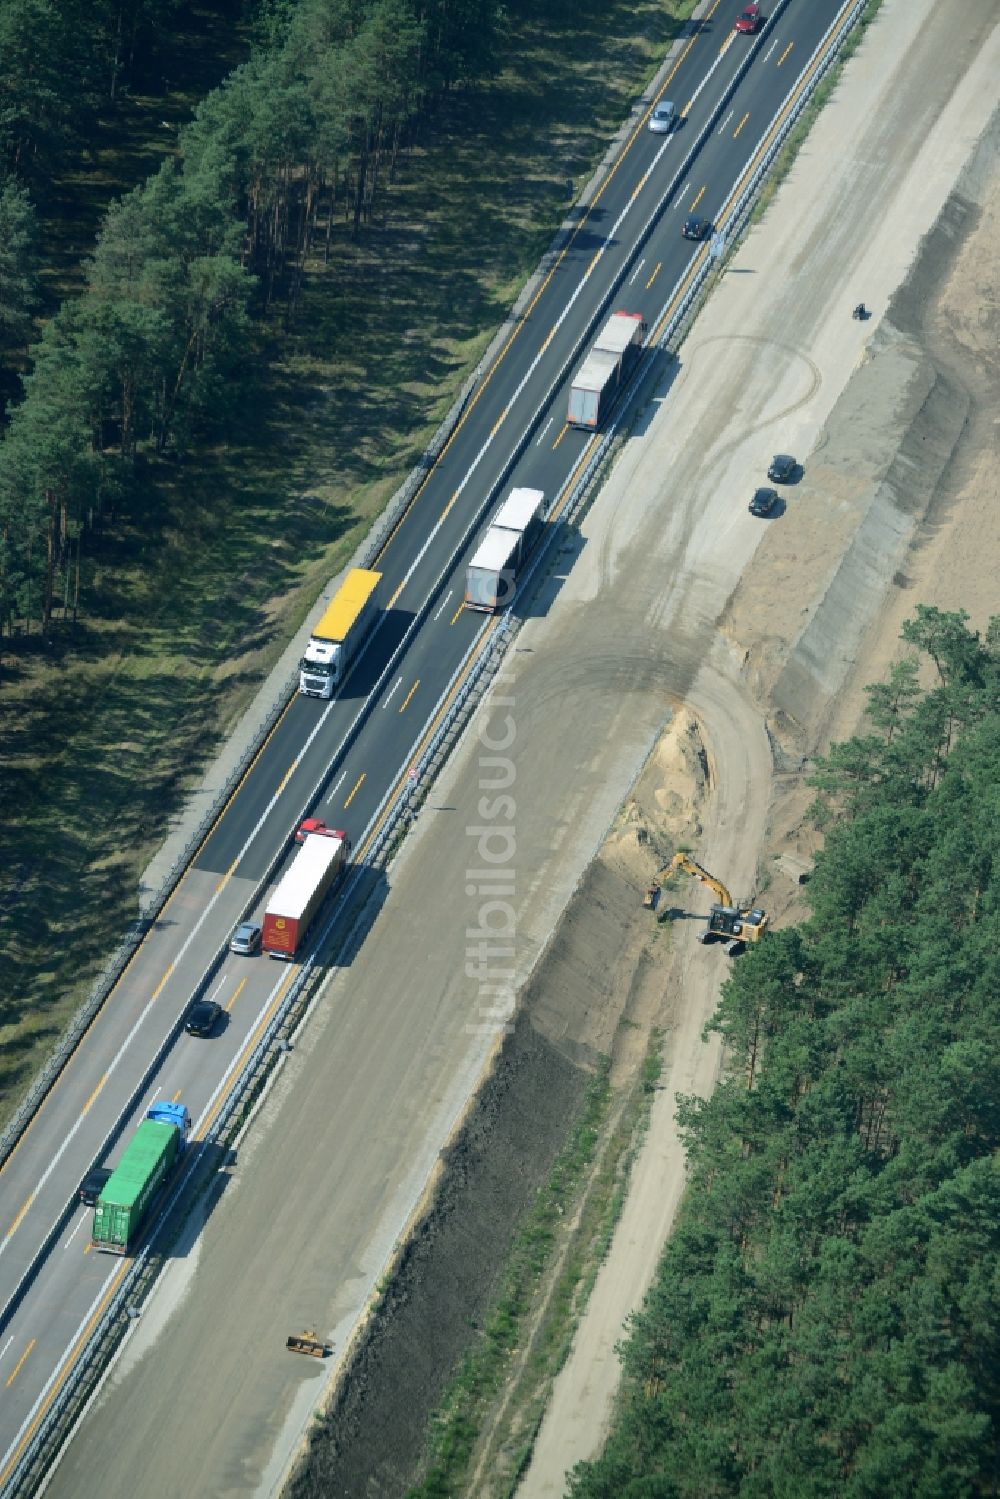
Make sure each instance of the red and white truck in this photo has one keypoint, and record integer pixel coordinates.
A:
(297, 898)
(606, 369)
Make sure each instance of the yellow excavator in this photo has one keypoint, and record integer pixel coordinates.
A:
(727, 922)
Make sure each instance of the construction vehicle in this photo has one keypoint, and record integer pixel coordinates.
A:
(308, 1342)
(728, 922)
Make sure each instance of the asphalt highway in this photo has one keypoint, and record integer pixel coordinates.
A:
(359, 746)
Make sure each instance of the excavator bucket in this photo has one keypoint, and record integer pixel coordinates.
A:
(651, 899)
(307, 1342)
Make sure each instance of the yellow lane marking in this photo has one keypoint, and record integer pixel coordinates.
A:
(357, 788)
(226, 877)
(396, 594)
(741, 124)
(285, 779)
(251, 1041)
(431, 728)
(555, 266)
(451, 502)
(795, 94)
(56, 1385)
(547, 339)
(697, 200)
(785, 53)
(20, 1361)
(87, 1106)
(177, 1097)
(239, 991)
(13, 1227)
(559, 439)
(543, 285)
(412, 690)
(156, 991)
(580, 466)
(142, 945)
(654, 275)
(457, 612)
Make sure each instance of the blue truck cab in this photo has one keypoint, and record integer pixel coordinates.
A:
(175, 1114)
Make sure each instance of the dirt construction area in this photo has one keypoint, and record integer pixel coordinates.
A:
(897, 505)
(681, 667)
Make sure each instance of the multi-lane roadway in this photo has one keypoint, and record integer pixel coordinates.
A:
(625, 251)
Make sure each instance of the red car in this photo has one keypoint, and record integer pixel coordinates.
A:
(750, 20)
(315, 825)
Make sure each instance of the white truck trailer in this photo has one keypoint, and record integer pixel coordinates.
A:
(606, 369)
(491, 579)
(292, 907)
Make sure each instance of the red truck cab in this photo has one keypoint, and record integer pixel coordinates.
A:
(318, 826)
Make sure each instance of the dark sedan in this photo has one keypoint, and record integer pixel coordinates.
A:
(763, 502)
(782, 468)
(93, 1185)
(696, 228)
(202, 1018)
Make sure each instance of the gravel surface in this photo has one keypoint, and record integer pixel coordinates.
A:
(894, 422)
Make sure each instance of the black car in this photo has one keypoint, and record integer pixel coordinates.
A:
(782, 468)
(93, 1185)
(696, 228)
(763, 502)
(202, 1018)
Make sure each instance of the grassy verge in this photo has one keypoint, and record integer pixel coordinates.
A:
(485, 1430)
(104, 733)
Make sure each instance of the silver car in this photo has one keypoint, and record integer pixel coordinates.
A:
(664, 118)
(246, 939)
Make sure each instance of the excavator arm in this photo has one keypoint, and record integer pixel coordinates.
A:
(685, 861)
(726, 921)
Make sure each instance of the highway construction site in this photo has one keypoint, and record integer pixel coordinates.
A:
(910, 437)
(659, 706)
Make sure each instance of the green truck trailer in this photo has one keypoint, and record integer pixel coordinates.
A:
(137, 1179)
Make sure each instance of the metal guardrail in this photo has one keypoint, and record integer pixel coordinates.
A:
(153, 906)
(394, 813)
(740, 212)
(365, 555)
(370, 550)
(124, 954)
